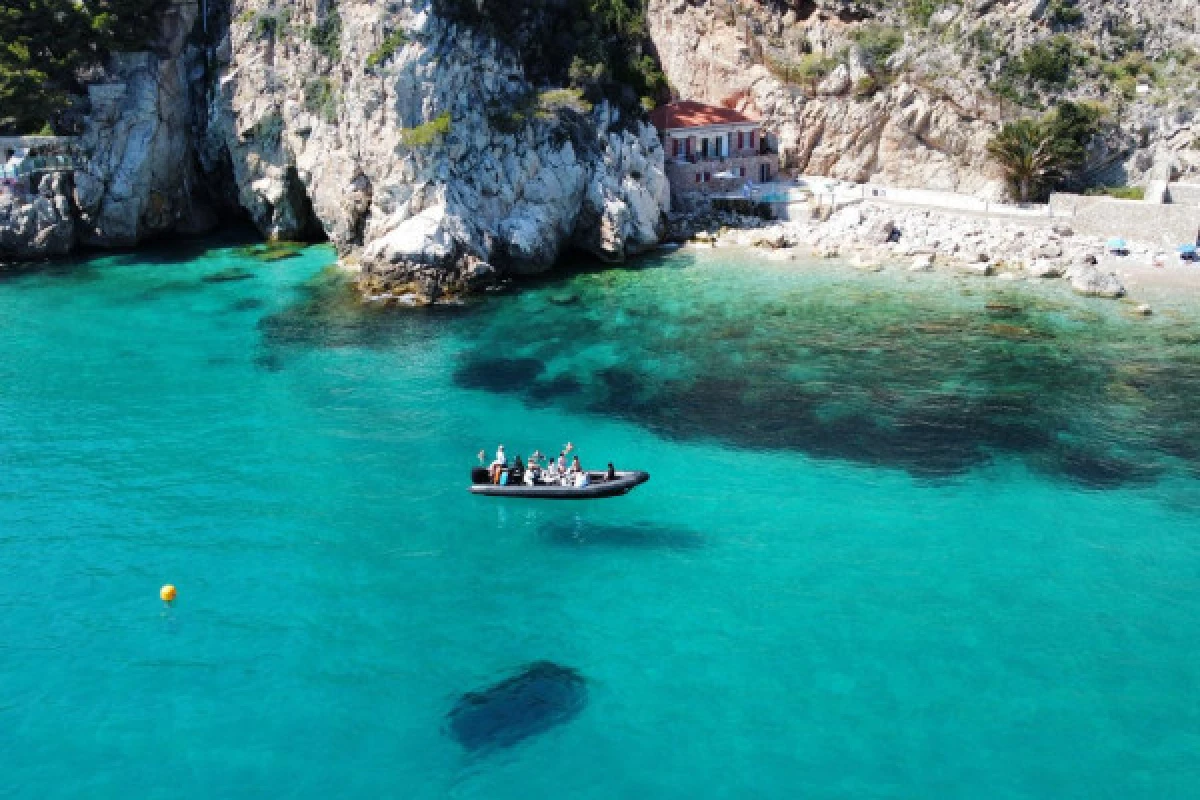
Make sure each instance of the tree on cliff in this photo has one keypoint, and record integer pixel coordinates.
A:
(45, 43)
(1027, 155)
(1038, 155)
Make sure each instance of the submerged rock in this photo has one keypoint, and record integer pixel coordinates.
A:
(543, 695)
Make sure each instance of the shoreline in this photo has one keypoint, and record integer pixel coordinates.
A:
(874, 236)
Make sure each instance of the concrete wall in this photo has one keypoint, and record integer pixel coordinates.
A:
(682, 174)
(1184, 193)
(1166, 226)
(26, 142)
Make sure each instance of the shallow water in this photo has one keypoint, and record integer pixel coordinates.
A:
(896, 544)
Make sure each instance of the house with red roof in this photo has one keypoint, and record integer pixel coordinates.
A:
(712, 148)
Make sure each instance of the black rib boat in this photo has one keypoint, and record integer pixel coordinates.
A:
(598, 486)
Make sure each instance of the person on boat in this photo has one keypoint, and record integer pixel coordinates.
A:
(551, 473)
(562, 461)
(518, 470)
(575, 468)
(611, 474)
(532, 471)
(499, 464)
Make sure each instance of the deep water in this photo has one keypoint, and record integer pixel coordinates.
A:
(904, 536)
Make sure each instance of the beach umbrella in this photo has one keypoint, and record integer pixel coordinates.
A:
(1116, 243)
(1187, 249)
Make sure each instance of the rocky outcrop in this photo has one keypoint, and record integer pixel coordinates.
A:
(139, 181)
(436, 168)
(40, 226)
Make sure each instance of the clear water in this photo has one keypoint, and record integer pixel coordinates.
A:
(895, 544)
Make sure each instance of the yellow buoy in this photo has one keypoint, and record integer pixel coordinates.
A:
(167, 593)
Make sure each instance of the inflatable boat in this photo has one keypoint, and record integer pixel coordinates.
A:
(598, 486)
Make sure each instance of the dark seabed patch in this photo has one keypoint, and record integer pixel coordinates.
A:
(330, 314)
(498, 374)
(246, 304)
(535, 700)
(230, 275)
(634, 536)
(929, 378)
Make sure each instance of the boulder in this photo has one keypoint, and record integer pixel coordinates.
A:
(922, 263)
(1091, 282)
(1044, 268)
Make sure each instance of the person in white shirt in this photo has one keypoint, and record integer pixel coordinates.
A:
(499, 464)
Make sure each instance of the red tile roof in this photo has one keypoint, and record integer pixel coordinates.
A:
(689, 114)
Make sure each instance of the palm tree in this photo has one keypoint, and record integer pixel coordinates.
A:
(1030, 156)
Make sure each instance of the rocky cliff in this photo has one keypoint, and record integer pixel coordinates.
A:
(417, 146)
(420, 149)
(908, 92)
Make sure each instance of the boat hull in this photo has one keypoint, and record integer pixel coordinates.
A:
(597, 488)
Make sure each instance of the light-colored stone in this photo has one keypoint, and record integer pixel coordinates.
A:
(1089, 281)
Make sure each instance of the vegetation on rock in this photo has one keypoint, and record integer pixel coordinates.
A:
(44, 44)
(1038, 155)
(326, 35)
(391, 43)
(600, 47)
(427, 133)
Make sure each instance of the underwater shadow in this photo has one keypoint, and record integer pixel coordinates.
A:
(634, 536)
(540, 697)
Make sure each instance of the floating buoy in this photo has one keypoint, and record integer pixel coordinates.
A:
(167, 593)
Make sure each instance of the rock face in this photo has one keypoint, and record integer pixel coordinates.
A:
(138, 181)
(436, 168)
(40, 226)
(909, 102)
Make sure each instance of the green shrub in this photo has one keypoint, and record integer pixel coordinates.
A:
(321, 98)
(45, 44)
(878, 43)
(866, 87)
(600, 46)
(921, 11)
(554, 100)
(326, 35)
(391, 43)
(1119, 192)
(1049, 61)
(427, 133)
(1064, 12)
(810, 69)
(271, 24)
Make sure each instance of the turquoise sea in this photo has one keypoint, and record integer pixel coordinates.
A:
(896, 543)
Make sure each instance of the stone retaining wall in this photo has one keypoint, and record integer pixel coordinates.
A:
(1163, 225)
(1184, 193)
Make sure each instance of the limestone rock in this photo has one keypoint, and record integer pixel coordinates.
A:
(1089, 281)
(922, 263)
(38, 226)
(1044, 268)
(471, 201)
